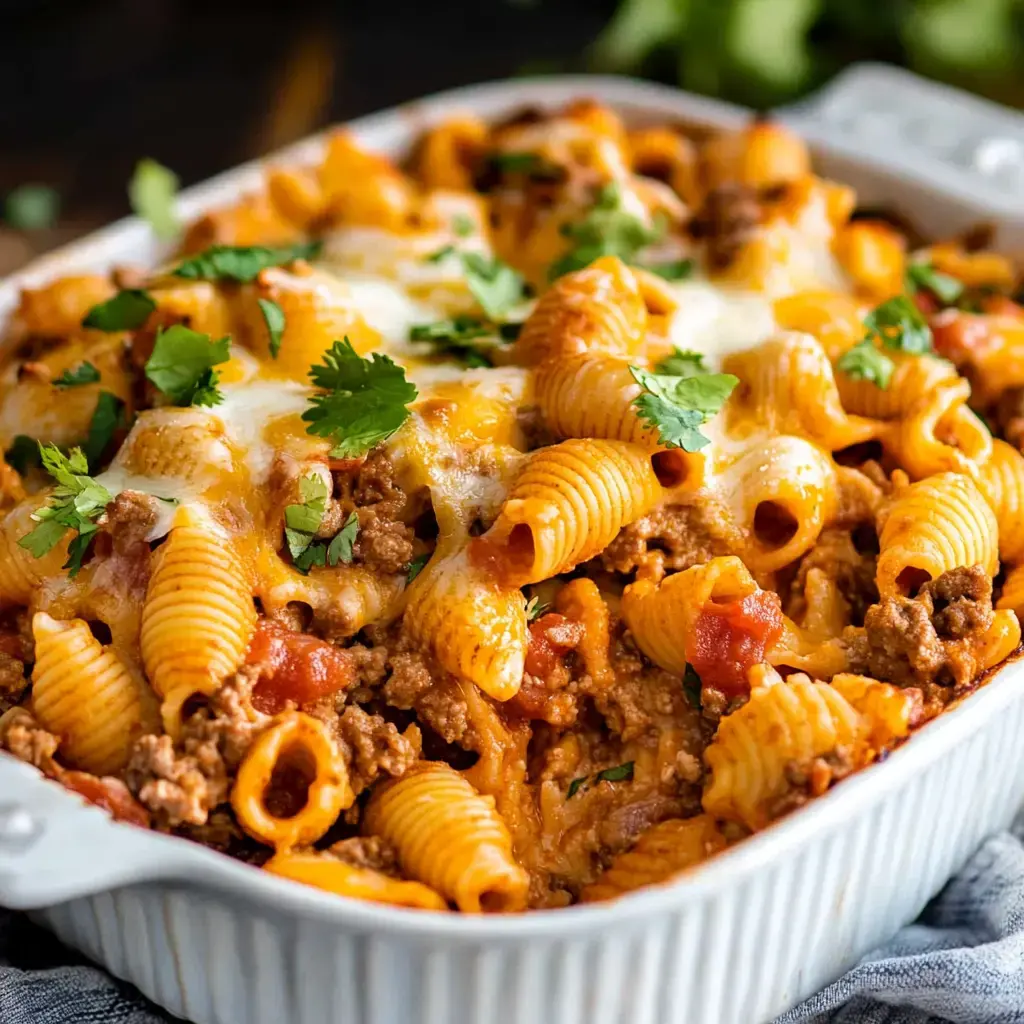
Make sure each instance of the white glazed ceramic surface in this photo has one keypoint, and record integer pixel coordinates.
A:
(735, 942)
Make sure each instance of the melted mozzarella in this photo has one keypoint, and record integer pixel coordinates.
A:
(171, 490)
(717, 321)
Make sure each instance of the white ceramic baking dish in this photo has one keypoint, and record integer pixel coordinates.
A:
(735, 942)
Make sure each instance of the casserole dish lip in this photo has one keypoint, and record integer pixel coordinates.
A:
(182, 862)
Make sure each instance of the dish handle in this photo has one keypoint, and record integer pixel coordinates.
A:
(900, 123)
(54, 846)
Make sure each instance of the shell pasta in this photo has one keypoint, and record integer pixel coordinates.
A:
(518, 523)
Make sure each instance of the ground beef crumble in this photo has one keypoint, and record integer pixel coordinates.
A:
(374, 747)
(852, 571)
(727, 220)
(370, 852)
(929, 640)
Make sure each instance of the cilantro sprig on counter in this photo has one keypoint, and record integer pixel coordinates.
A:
(302, 521)
(76, 503)
(362, 401)
(678, 405)
(608, 229)
(242, 263)
(897, 325)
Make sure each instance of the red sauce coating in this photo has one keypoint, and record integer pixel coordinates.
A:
(552, 636)
(110, 794)
(958, 336)
(296, 667)
(729, 639)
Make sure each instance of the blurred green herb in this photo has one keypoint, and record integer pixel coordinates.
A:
(32, 207)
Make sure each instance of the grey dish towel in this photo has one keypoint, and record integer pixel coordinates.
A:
(963, 961)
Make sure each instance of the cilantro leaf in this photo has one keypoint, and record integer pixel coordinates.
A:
(453, 337)
(440, 254)
(671, 270)
(692, 685)
(84, 373)
(682, 363)
(463, 225)
(899, 325)
(273, 317)
(534, 609)
(340, 548)
(416, 567)
(678, 406)
(32, 207)
(242, 263)
(946, 288)
(609, 229)
(182, 362)
(620, 773)
(495, 285)
(74, 504)
(128, 310)
(315, 554)
(307, 516)
(151, 192)
(107, 417)
(514, 162)
(364, 403)
(865, 361)
(23, 454)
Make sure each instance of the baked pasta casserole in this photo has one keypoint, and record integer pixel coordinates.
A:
(514, 526)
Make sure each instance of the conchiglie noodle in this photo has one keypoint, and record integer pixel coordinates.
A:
(661, 615)
(21, 573)
(889, 710)
(662, 852)
(448, 153)
(781, 493)
(475, 627)
(914, 379)
(787, 386)
(1001, 480)
(449, 837)
(198, 616)
(1012, 596)
(322, 871)
(597, 309)
(932, 526)
(782, 729)
(87, 694)
(568, 504)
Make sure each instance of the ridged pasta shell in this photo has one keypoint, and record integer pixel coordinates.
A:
(1001, 480)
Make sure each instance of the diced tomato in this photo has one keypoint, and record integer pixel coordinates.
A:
(960, 336)
(926, 302)
(110, 794)
(729, 639)
(295, 667)
(552, 636)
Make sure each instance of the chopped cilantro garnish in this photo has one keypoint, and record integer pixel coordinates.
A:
(74, 504)
(32, 207)
(946, 288)
(273, 317)
(107, 417)
(340, 548)
(608, 230)
(463, 225)
(509, 332)
(677, 406)
(671, 270)
(364, 401)
(514, 162)
(182, 365)
(692, 685)
(302, 522)
(899, 325)
(128, 310)
(242, 263)
(534, 609)
(453, 337)
(620, 773)
(440, 254)
(865, 361)
(84, 373)
(151, 192)
(495, 285)
(682, 363)
(416, 567)
(23, 454)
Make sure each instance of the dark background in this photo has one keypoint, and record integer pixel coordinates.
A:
(87, 88)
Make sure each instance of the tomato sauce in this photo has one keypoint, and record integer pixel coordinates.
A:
(110, 794)
(552, 636)
(960, 336)
(729, 639)
(296, 667)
